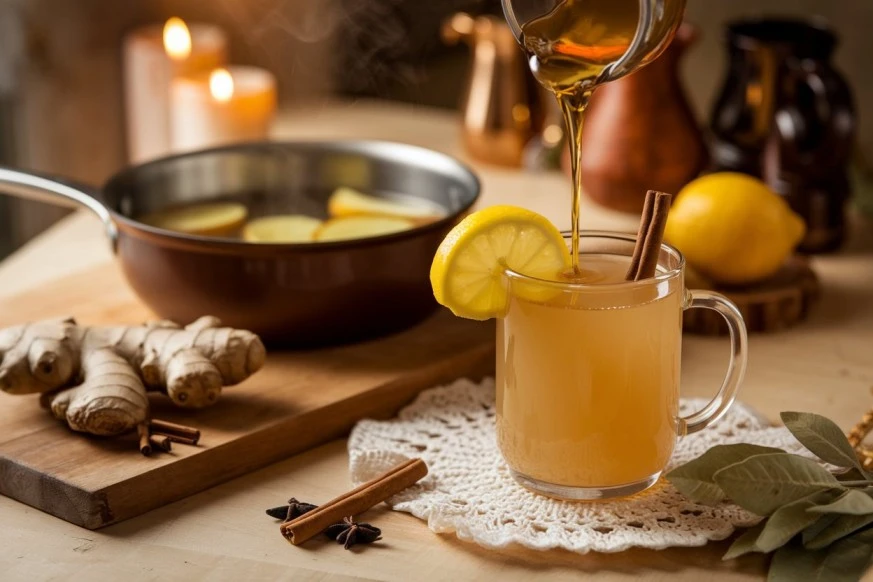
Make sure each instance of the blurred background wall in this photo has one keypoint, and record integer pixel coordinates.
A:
(61, 105)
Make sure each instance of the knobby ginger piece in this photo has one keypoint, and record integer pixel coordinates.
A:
(96, 378)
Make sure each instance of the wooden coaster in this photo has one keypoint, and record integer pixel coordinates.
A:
(776, 303)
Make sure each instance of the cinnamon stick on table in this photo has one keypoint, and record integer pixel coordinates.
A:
(354, 502)
(644, 261)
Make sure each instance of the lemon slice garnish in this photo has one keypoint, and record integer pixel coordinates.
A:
(467, 274)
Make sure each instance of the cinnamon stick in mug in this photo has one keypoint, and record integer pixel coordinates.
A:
(644, 262)
(645, 219)
(354, 502)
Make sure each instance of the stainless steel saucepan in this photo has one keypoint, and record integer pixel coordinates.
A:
(302, 294)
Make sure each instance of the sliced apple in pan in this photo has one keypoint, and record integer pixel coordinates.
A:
(354, 227)
(287, 228)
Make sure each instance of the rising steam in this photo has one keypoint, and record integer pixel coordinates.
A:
(378, 42)
(367, 39)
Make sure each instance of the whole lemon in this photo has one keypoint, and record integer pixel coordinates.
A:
(733, 228)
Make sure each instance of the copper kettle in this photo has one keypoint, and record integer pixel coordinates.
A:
(501, 104)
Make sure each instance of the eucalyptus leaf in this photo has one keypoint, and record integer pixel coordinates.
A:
(789, 520)
(852, 474)
(838, 528)
(763, 483)
(695, 478)
(852, 502)
(816, 529)
(823, 437)
(844, 561)
(745, 544)
(864, 536)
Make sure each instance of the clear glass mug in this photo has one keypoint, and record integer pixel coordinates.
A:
(657, 21)
(588, 373)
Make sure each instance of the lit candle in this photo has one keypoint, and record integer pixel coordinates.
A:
(153, 56)
(222, 106)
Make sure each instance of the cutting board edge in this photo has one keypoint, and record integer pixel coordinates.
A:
(62, 499)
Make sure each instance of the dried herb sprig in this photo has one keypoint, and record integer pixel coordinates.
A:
(349, 532)
(818, 524)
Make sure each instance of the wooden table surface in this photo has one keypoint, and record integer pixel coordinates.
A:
(824, 365)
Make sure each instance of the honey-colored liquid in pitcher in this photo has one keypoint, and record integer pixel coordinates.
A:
(568, 48)
(587, 393)
(570, 45)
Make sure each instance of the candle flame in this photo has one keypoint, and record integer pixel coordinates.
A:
(221, 85)
(177, 39)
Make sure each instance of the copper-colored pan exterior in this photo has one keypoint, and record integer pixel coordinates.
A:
(290, 296)
(302, 295)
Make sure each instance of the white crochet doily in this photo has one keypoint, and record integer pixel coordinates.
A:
(469, 490)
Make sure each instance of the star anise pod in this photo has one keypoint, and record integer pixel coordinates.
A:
(348, 532)
(293, 510)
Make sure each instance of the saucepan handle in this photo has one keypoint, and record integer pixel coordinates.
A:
(60, 192)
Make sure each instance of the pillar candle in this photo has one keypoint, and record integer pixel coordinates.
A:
(224, 106)
(151, 61)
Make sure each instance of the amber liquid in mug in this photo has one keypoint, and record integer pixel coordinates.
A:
(587, 394)
(568, 48)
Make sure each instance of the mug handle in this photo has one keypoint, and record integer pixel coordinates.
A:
(736, 367)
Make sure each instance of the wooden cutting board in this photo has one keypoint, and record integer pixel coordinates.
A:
(300, 399)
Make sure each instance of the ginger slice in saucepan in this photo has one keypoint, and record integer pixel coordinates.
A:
(286, 228)
(354, 227)
(209, 219)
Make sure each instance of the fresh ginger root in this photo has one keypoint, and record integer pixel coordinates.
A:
(96, 378)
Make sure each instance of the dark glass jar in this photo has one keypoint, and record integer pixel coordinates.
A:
(786, 115)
